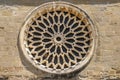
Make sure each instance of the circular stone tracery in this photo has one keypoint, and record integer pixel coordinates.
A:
(58, 37)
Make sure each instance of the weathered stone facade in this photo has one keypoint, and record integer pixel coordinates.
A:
(105, 64)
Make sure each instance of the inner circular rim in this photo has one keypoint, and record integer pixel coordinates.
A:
(58, 38)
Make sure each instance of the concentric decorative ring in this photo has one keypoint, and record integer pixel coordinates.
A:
(58, 38)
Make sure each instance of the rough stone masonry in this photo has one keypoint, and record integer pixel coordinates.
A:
(105, 64)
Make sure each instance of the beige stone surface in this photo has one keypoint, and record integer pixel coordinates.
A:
(106, 16)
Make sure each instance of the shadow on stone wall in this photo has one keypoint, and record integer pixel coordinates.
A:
(38, 2)
(26, 63)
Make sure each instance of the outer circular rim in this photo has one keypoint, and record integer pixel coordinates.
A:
(67, 71)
